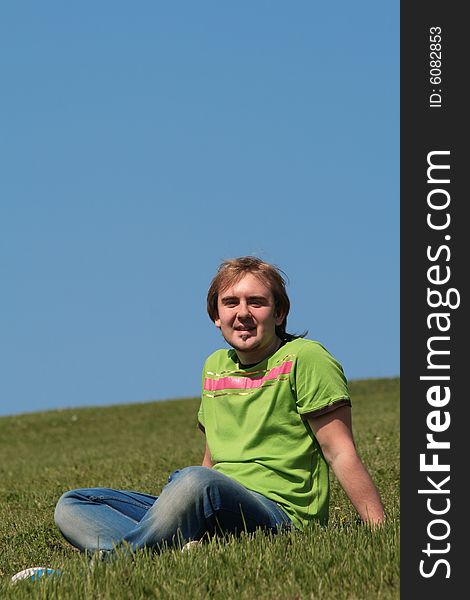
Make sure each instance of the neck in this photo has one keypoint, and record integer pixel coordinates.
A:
(252, 358)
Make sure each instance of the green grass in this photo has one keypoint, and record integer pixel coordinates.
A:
(136, 447)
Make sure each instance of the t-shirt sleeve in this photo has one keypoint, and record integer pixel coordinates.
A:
(200, 419)
(200, 414)
(320, 383)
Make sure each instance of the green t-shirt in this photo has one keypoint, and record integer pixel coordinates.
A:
(256, 428)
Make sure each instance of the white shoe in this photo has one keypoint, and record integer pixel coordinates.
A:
(34, 574)
(190, 545)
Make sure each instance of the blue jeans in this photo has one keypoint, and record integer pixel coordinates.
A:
(196, 501)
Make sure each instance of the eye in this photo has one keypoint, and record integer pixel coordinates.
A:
(258, 302)
(230, 302)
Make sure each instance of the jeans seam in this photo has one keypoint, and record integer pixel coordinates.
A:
(101, 500)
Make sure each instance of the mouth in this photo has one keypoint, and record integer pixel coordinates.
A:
(245, 332)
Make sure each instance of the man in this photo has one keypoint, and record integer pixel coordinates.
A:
(276, 413)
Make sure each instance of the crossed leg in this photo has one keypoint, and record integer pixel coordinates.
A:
(196, 501)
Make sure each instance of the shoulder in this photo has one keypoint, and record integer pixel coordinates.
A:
(301, 347)
(312, 355)
(220, 359)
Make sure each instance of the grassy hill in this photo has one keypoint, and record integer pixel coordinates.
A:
(136, 447)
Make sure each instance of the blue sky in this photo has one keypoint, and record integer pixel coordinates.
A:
(143, 143)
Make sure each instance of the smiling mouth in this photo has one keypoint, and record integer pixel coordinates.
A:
(246, 332)
(246, 335)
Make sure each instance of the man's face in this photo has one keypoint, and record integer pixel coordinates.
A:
(247, 319)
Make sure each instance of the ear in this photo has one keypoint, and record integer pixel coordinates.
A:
(278, 319)
(217, 322)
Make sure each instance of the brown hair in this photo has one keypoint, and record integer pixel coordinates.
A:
(233, 269)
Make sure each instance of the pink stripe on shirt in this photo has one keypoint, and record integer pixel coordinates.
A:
(213, 385)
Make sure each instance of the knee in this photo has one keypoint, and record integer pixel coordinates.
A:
(192, 480)
(63, 507)
(190, 487)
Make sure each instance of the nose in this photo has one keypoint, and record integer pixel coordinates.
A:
(243, 310)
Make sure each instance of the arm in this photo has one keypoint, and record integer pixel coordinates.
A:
(334, 434)
(207, 460)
